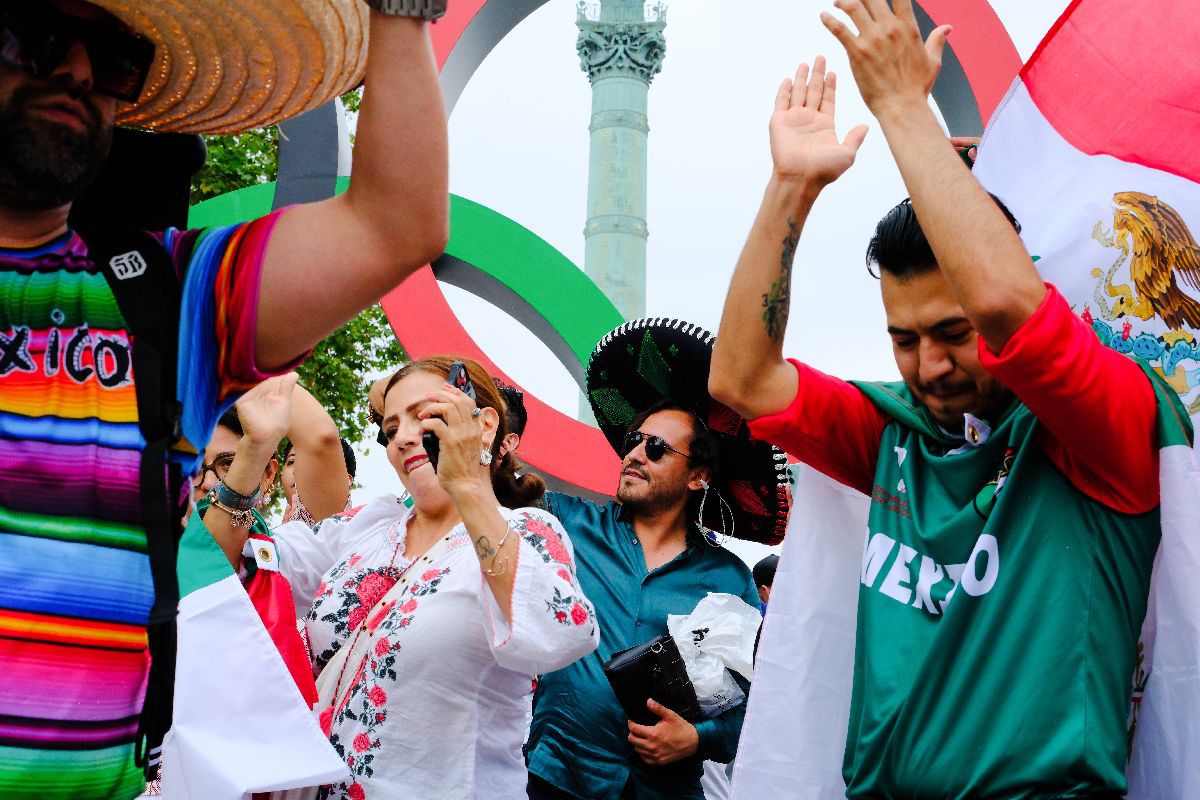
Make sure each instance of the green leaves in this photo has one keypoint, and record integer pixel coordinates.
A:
(237, 161)
(340, 367)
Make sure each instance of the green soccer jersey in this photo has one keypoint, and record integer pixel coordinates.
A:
(999, 612)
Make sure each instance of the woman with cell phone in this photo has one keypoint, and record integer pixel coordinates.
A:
(426, 623)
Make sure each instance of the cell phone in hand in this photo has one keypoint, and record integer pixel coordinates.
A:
(459, 379)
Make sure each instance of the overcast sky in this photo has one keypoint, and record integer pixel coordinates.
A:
(519, 144)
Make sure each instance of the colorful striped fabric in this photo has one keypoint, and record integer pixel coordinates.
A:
(75, 586)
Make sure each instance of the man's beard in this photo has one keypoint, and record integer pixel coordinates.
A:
(653, 499)
(46, 164)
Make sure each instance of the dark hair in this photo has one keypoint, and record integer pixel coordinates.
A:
(515, 415)
(511, 491)
(230, 421)
(764, 571)
(899, 246)
(351, 461)
(702, 447)
(347, 454)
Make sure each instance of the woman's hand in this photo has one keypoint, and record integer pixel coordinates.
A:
(266, 410)
(462, 438)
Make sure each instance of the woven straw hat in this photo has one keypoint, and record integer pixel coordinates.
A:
(224, 66)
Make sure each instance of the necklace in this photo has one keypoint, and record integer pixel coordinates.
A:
(427, 558)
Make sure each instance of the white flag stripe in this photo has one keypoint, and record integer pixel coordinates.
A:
(794, 734)
(240, 723)
(1074, 192)
(1165, 765)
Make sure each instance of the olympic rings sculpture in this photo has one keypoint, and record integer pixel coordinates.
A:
(503, 262)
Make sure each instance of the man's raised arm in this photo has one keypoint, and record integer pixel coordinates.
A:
(749, 373)
(327, 261)
(979, 253)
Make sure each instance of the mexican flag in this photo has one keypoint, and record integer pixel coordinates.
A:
(1094, 150)
(240, 723)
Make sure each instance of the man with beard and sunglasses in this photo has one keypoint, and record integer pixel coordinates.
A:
(690, 477)
(82, 481)
(1012, 474)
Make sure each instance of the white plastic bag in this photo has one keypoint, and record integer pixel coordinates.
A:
(716, 637)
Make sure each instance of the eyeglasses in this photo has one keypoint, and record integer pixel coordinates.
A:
(219, 467)
(36, 37)
(656, 446)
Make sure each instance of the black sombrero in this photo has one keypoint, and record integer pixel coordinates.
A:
(646, 360)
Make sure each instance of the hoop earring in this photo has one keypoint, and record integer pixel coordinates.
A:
(709, 535)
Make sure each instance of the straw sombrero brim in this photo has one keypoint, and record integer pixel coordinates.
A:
(225, 66)
(646, 360)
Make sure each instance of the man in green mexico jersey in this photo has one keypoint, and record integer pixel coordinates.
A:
(1014, 512)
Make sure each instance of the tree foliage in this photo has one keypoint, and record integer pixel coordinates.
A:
(340, 367)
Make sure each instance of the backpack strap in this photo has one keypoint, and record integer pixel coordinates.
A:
(142, 278)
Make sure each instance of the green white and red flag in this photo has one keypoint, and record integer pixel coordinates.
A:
(241, 725)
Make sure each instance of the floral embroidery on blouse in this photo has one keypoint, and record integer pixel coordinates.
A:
(355, 599)
(365, 703)
(446, 599)
(544, 540)
(566, 608)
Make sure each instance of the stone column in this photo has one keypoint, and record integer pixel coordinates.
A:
(621, 48)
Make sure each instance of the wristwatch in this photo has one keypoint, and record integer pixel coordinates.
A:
(425, 9)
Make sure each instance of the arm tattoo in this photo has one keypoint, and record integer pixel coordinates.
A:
(484, 547)
(778, 301)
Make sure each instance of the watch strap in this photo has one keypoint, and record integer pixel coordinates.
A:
(229, 498)
(425, 9)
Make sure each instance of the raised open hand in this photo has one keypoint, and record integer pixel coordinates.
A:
(891, 64)
(266, 410)
(804, 143)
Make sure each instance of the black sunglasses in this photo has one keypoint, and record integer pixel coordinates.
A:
(35, 38)
(219, 467)
(656, 446)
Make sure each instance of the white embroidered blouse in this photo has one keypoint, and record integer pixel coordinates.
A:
(440, 707)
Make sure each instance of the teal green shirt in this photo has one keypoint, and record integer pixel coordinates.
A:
(998, 619)
(578, 738)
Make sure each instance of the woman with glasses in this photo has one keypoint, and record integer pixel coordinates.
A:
(314, 445)
(426, 625)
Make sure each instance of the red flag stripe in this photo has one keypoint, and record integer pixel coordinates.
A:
(1119, 79)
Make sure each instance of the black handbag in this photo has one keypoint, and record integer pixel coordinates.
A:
(654, 669)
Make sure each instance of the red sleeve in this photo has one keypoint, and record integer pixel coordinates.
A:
(830, 425)
(1096, 405)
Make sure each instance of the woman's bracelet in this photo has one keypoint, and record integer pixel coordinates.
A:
(493, 572)
(238, 517)
(233, 499)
